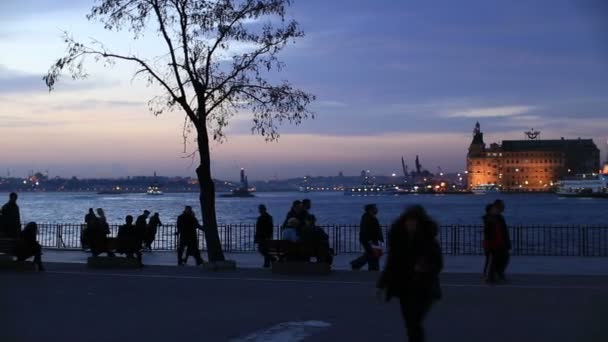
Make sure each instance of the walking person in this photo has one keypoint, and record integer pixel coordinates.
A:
(488, 226)
(141, 225)
(412, 269)
(370, 235)
(503, 241)
(263, 232)
(28, 246)
(187, 224)
(10, 221)
(151, 230)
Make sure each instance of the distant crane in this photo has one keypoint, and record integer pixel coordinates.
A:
(404, 167)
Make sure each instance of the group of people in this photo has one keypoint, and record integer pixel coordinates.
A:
(299, 226)
(10, 227)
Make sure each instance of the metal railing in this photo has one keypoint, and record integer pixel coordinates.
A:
(546, 240)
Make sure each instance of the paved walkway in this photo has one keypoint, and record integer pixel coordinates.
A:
(453, 264)
(160, 303)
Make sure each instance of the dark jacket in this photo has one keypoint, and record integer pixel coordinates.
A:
(27, 244)
(140, 227)
(370, 230)
(263, 228)
(413, 265)
(127, 239)
(495, 233)
(186, 227)
(10, 221)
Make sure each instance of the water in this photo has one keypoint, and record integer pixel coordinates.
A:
(330, 208)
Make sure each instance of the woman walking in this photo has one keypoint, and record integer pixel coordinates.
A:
(412, 268)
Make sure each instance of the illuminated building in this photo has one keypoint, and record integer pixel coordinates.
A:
(529, 165)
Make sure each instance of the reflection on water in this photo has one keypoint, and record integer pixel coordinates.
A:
(330, 208)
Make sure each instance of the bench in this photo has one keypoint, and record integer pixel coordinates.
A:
(7, 254)
(295, 257)
(112, 261)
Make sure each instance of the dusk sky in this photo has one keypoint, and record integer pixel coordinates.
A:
(392, 78)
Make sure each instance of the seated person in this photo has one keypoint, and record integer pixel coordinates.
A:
(28, 247)
(98, 241)
(128, 240)
(290, 232)
(318, 238)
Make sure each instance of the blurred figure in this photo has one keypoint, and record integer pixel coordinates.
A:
(28, 247)
(295, 211)
(141, 226)
(90, 220)
(98, 235)
(151, 230)
(290, 231)
(370, 235)
(187, 224)
(128, 241)
(263, 232)
(413, 267)
(498, 243)
(10, 220)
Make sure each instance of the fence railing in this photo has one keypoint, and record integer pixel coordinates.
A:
(577, 240)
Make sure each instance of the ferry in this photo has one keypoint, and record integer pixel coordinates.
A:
(590, 186)
(485, 189)
(115, 190)
(154, 191)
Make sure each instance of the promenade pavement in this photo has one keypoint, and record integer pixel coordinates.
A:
(169, 303)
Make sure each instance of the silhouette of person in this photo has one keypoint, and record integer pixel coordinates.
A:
(141, 226)
(128, 241)
(500, 244)
(187, 224)
(89, 219)
(370, 233)
(290, 231)
(263, 232)
(28, 247)
(151, 230)
(488, 236)
(98, 235)
(11, 219)
(412, 269)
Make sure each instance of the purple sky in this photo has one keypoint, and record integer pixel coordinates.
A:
(392, 78)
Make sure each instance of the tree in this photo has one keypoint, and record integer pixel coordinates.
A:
(199, 73)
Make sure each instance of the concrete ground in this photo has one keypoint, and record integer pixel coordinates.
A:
(160, 303)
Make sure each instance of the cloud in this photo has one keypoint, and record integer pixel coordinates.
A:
(491, 112)
(9, 121)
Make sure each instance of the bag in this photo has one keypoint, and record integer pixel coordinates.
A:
(377, 251)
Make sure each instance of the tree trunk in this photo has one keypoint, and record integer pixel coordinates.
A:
(207, 197)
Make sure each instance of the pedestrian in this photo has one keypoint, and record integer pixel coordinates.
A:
(10, 222)
(141, 225)
(89, 219)
(488, 226)
(98, 235)
(151, 230)
(28, 247)
(412, 268)
(128, 241)
(263, 232)
(370, 237)
(500, 244)
(187, 224)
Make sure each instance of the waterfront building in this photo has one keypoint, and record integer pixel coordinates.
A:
(528, 165)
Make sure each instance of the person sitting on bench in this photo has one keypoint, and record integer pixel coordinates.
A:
(128, 240)
(28, 247)
(290, 232)
(98, 240)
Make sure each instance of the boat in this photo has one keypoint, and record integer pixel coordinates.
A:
(115, 190)
(154, 190)
(585, 185)
(482, 189)
(243, 190)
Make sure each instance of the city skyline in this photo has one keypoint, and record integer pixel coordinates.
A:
(391, 80)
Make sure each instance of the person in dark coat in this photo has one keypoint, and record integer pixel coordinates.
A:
(187, 224)
(141, 225)
(503, 241)
(488, 235)
(263, 232)
(10, 221)
(28, 247)
(98, 235)
(151, 230)
(128, 241)
(296, 211)
(370, 233)
(412, 268)
(89, 219)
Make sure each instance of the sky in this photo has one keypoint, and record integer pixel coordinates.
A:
(392, 78)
